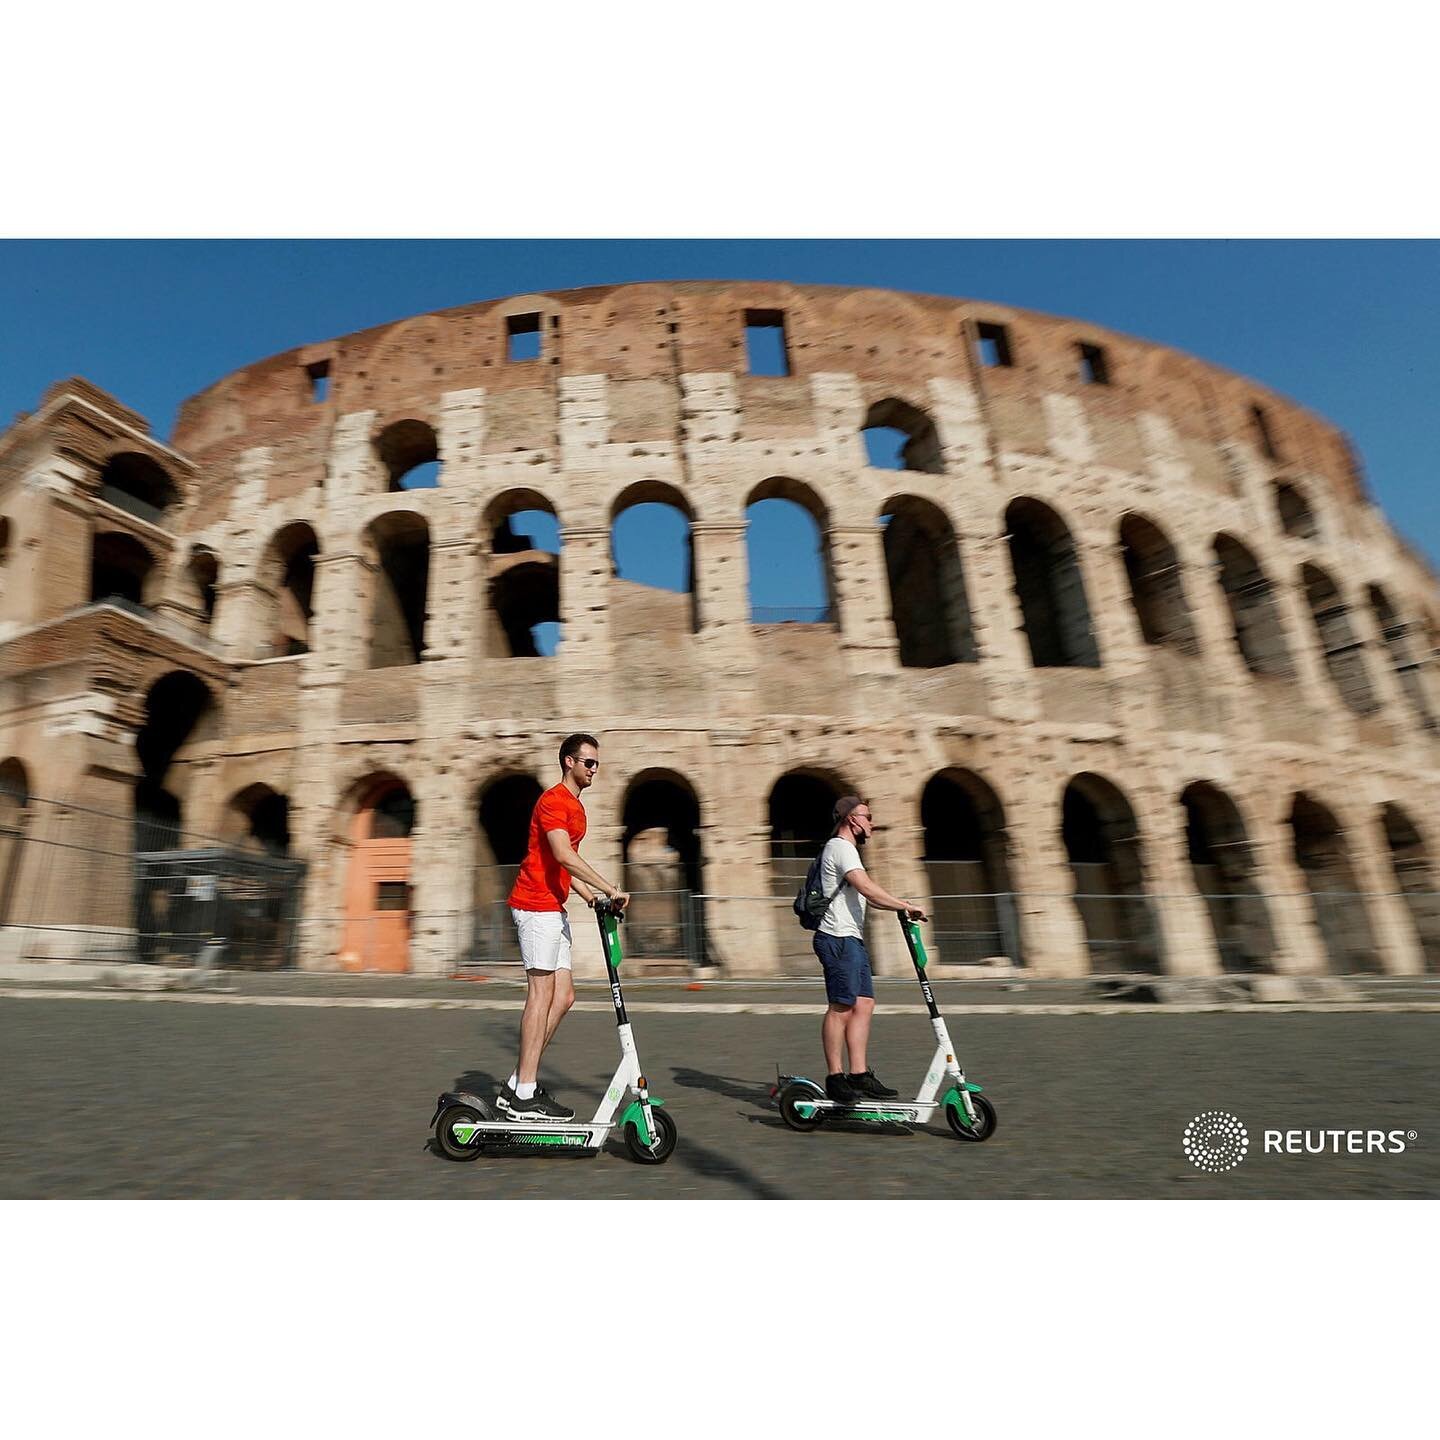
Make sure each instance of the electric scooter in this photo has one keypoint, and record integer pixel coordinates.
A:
(804, 1105)
(466, 1125)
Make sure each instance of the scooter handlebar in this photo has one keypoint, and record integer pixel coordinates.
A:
(604, 905)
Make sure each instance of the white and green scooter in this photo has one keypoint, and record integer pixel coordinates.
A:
(805, 1105)
(466, 1125)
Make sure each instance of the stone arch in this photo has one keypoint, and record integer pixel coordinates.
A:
(410, 452)
(896, 424)
(398, 543)
(376, 931)
(928, 602)
(1415, 875)
(287, 591)
(799, 808)
(1157, 587)
(522, 580)
(1254, 613)
(1338, 906)
(1395, 635)
(967, 862)
(138, 484)
(1296, 515)
(179, 710)
(121, 568)
(1343, 648)
(1222, 865)
(503, 805)
(1102, 842)
(201, 577)
(663, 862)
(1050, 586)
(645, 607)
(14, 822)
(257, 817)
(815, 570)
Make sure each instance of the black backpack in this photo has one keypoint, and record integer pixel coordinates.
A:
(811, 902)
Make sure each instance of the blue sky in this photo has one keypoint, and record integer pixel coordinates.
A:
(1344, 327)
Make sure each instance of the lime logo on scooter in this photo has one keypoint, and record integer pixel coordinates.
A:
(1215, 1140)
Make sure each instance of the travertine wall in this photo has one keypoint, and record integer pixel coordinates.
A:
(641, 393)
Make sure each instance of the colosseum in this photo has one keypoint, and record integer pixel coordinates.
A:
(1133, 671)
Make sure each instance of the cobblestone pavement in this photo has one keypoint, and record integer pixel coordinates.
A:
(169, 1097)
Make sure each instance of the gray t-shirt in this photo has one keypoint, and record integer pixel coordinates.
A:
(846, 916)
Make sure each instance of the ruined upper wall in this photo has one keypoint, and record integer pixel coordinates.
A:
(644, 336)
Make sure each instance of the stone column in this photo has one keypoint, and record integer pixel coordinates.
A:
(450, 603)
(1188, 944)
(339, 626)
(1300, 949)
(1390, 922)
(244, 610)
(998, 622)
(862, 597)
(1052, 932)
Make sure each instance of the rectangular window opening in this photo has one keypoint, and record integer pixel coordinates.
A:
(1093, 369)
(522, 337)
(994, 345)
(319, 377)
(765, 348)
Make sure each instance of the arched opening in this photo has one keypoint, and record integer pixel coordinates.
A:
(1223, 867)
(1050, 587)
(14, 814)
(120, 568)
(1339, 907)
(1297, 519)
(502, 835)
(1102, 842)
(5, 536)
(800, 807)
(138, 485)
(1344, 657)
(179, 710)
(1410, 857)
(258, 819)
(376, 934)
(410, 453)
(202, 573)
(287, 573)
(1156, 587)
(790, 574)
(967, 862)
(400, 543)
(663, 869)
(898, 436)
(522, 617)
(1259, 633)
(1395, 634)
(928, 603)
(652, 594)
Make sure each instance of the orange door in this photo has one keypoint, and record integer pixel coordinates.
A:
(377, 902)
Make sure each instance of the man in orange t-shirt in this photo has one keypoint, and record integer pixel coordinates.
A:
(537, 901)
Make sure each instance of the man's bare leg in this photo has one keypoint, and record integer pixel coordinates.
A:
(534, 1023)
(857, 1033)
(832, 1036)
(560, 1003)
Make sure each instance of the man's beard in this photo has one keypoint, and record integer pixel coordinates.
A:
(860, 838)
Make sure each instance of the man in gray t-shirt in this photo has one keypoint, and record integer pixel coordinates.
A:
(840, 947)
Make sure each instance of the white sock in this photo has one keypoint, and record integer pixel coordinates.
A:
(526, 1092)
(513, 1078)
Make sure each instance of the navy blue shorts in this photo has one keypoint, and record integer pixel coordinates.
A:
(846, 964)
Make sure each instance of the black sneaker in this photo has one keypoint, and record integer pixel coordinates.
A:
(541, 1106)
(840, 1090)
(504, 1100)
(867, 1085)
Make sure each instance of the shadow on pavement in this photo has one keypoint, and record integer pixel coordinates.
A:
(758, 1094)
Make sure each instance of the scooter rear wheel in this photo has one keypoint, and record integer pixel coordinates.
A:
(790, 1099)
(450, 1147)
(984, 1125)
(665, 1135)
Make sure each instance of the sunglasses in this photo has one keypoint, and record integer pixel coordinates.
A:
(589, 764)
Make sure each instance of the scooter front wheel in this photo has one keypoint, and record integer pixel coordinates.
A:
(981, 1128)
(798, 1109)
(451, 1146)
(665, 1136)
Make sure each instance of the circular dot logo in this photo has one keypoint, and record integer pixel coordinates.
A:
(1216, 1141)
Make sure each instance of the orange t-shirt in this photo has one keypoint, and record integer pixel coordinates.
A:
(543, 882)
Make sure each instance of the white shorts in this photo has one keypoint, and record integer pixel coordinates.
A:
(544, 938)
